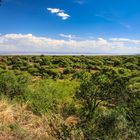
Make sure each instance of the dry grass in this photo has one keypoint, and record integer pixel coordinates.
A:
(6, 113)
(72, 120)
(19, 123)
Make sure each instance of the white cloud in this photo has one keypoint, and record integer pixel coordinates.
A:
(59, 12)
(120, 39)
(63, 15)
(126, 40)
(54, 10)
(70, 37)
(31, 44)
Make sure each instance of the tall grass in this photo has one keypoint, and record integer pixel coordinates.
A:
(51, 96)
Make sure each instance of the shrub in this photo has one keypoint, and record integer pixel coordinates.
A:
(3, 66)
(12, 85)
(82, 75)
(68, 70)
(55, 74)
(130, 66)
(34, 71)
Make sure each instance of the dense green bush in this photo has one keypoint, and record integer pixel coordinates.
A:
(12, 85)
(34, 71)
(68, 70)
(82, 75)
(131, 66)
(55, 74)
(3, 66)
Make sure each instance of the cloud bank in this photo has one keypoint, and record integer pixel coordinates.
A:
(29, 43)
(59, 12)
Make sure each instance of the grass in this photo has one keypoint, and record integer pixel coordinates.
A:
(51, 96)
(17, 122)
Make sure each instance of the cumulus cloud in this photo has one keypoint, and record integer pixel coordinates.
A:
(29, 43)
(59, 12)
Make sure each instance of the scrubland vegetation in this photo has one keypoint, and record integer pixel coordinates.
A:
(69, 97)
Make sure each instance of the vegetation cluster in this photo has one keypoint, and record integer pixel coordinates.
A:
(70, 97)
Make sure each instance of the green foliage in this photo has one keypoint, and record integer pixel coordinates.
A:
(82, 75)
(108, 125)
(68, 70)
(34, 71)
(103, 92)
(51, 95)
(55, 74)
(12, 85)
(3, 66)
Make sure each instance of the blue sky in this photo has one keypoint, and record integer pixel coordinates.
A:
(72, 20)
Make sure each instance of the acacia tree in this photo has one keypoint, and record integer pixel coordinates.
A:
(108, 85)
(118, 88)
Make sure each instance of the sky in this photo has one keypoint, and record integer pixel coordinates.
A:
(85, 26)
